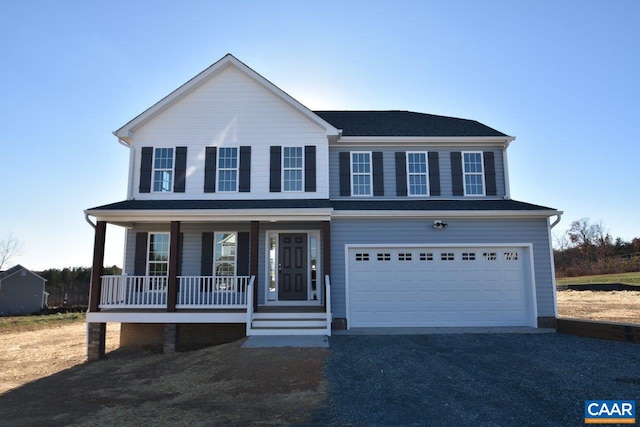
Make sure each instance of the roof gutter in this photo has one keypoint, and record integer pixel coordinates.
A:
(86, 218)
(558, 218)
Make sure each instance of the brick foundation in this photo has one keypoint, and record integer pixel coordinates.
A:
(96, 339)
(159, 337)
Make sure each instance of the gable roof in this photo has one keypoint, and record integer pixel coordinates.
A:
(405, 123)
(15, 269)
(125, 132)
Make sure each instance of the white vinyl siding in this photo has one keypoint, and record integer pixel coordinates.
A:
(473, 173)
(292, 168)
(361, 178)
(163, 170)
(417, 174)
(230, 110)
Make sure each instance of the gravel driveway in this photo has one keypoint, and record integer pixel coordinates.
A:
(474, 379)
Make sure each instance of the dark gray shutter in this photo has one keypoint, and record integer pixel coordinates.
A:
(242, 254)
(434, 174)
(310, 168)
(210, 163)
(180, 169)
(378, 173)
(275, 171)
(490, 173)
(146, 165)
(206, 258)
(401, 173)
(244, 184)
(456, 173)
(345, 173)
(140, 260)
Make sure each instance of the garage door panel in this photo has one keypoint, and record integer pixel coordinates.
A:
(437, 287)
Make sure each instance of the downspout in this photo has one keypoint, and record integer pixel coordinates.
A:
(86, 218)
(131, 163)
(558, 218)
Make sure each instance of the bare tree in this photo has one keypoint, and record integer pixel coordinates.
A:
(592, 238)
(10, 248)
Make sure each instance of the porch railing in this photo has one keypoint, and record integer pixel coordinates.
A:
(204, 292)
(212, 292)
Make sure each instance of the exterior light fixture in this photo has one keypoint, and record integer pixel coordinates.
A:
(439, 225)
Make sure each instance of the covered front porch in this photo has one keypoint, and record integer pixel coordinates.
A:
(221, 271)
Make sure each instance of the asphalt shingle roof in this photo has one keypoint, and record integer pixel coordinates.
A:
(417, 205)
(403, 123)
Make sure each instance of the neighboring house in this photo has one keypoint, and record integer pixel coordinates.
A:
(246, 208)
(21, 292)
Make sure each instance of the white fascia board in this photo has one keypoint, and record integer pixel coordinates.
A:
(443, 214)
(126, 132)
(463, 141)
(166, 317)
(208, 215)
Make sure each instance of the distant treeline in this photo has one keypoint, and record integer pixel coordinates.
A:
(587, 249)
(70, 286)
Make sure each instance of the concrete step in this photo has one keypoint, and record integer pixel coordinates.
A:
(288, 331)
(289, 323)
(270, 316)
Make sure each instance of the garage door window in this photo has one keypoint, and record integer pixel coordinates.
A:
(511, 256)
(362, 257)
(426, 256)
(447, 256)
(384, 257)
(489, 256)
(468, 256)
(404, 256)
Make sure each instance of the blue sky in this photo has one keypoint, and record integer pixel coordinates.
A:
(560, 76)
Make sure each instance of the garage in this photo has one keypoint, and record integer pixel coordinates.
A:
(436, 286)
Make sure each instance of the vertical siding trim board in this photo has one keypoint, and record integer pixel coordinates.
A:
(378, 173)
(146, 165)
(275, 169)
(401, 173)
(345, 173)
(434, 173)
(206, 260)
(140, 262)
(310, 168)
(456, 173)
(180, 170)
(210, 169)
(490, 173)
(244, 182)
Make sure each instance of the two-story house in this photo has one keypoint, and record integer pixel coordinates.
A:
(248, 213)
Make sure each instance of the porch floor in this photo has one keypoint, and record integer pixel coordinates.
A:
(289, 309)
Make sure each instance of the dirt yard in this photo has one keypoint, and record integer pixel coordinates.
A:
(44, 379)
(45, 382)
(614, 306)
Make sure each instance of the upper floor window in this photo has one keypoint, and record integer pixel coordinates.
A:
(473, 173)
(163, 170)
(292, 168)
(228, 169)
(361, 173)
(417, 174)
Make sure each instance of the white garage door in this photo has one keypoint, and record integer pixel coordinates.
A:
(439, 286)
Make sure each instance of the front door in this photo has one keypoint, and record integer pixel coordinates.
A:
(292, 268)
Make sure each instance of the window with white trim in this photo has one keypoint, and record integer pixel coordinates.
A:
(163, 170)
(228, 169)
(292, 168)
(158, 261)
(417, 182)
(361, 174)
(473, 171)
(224, 254)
